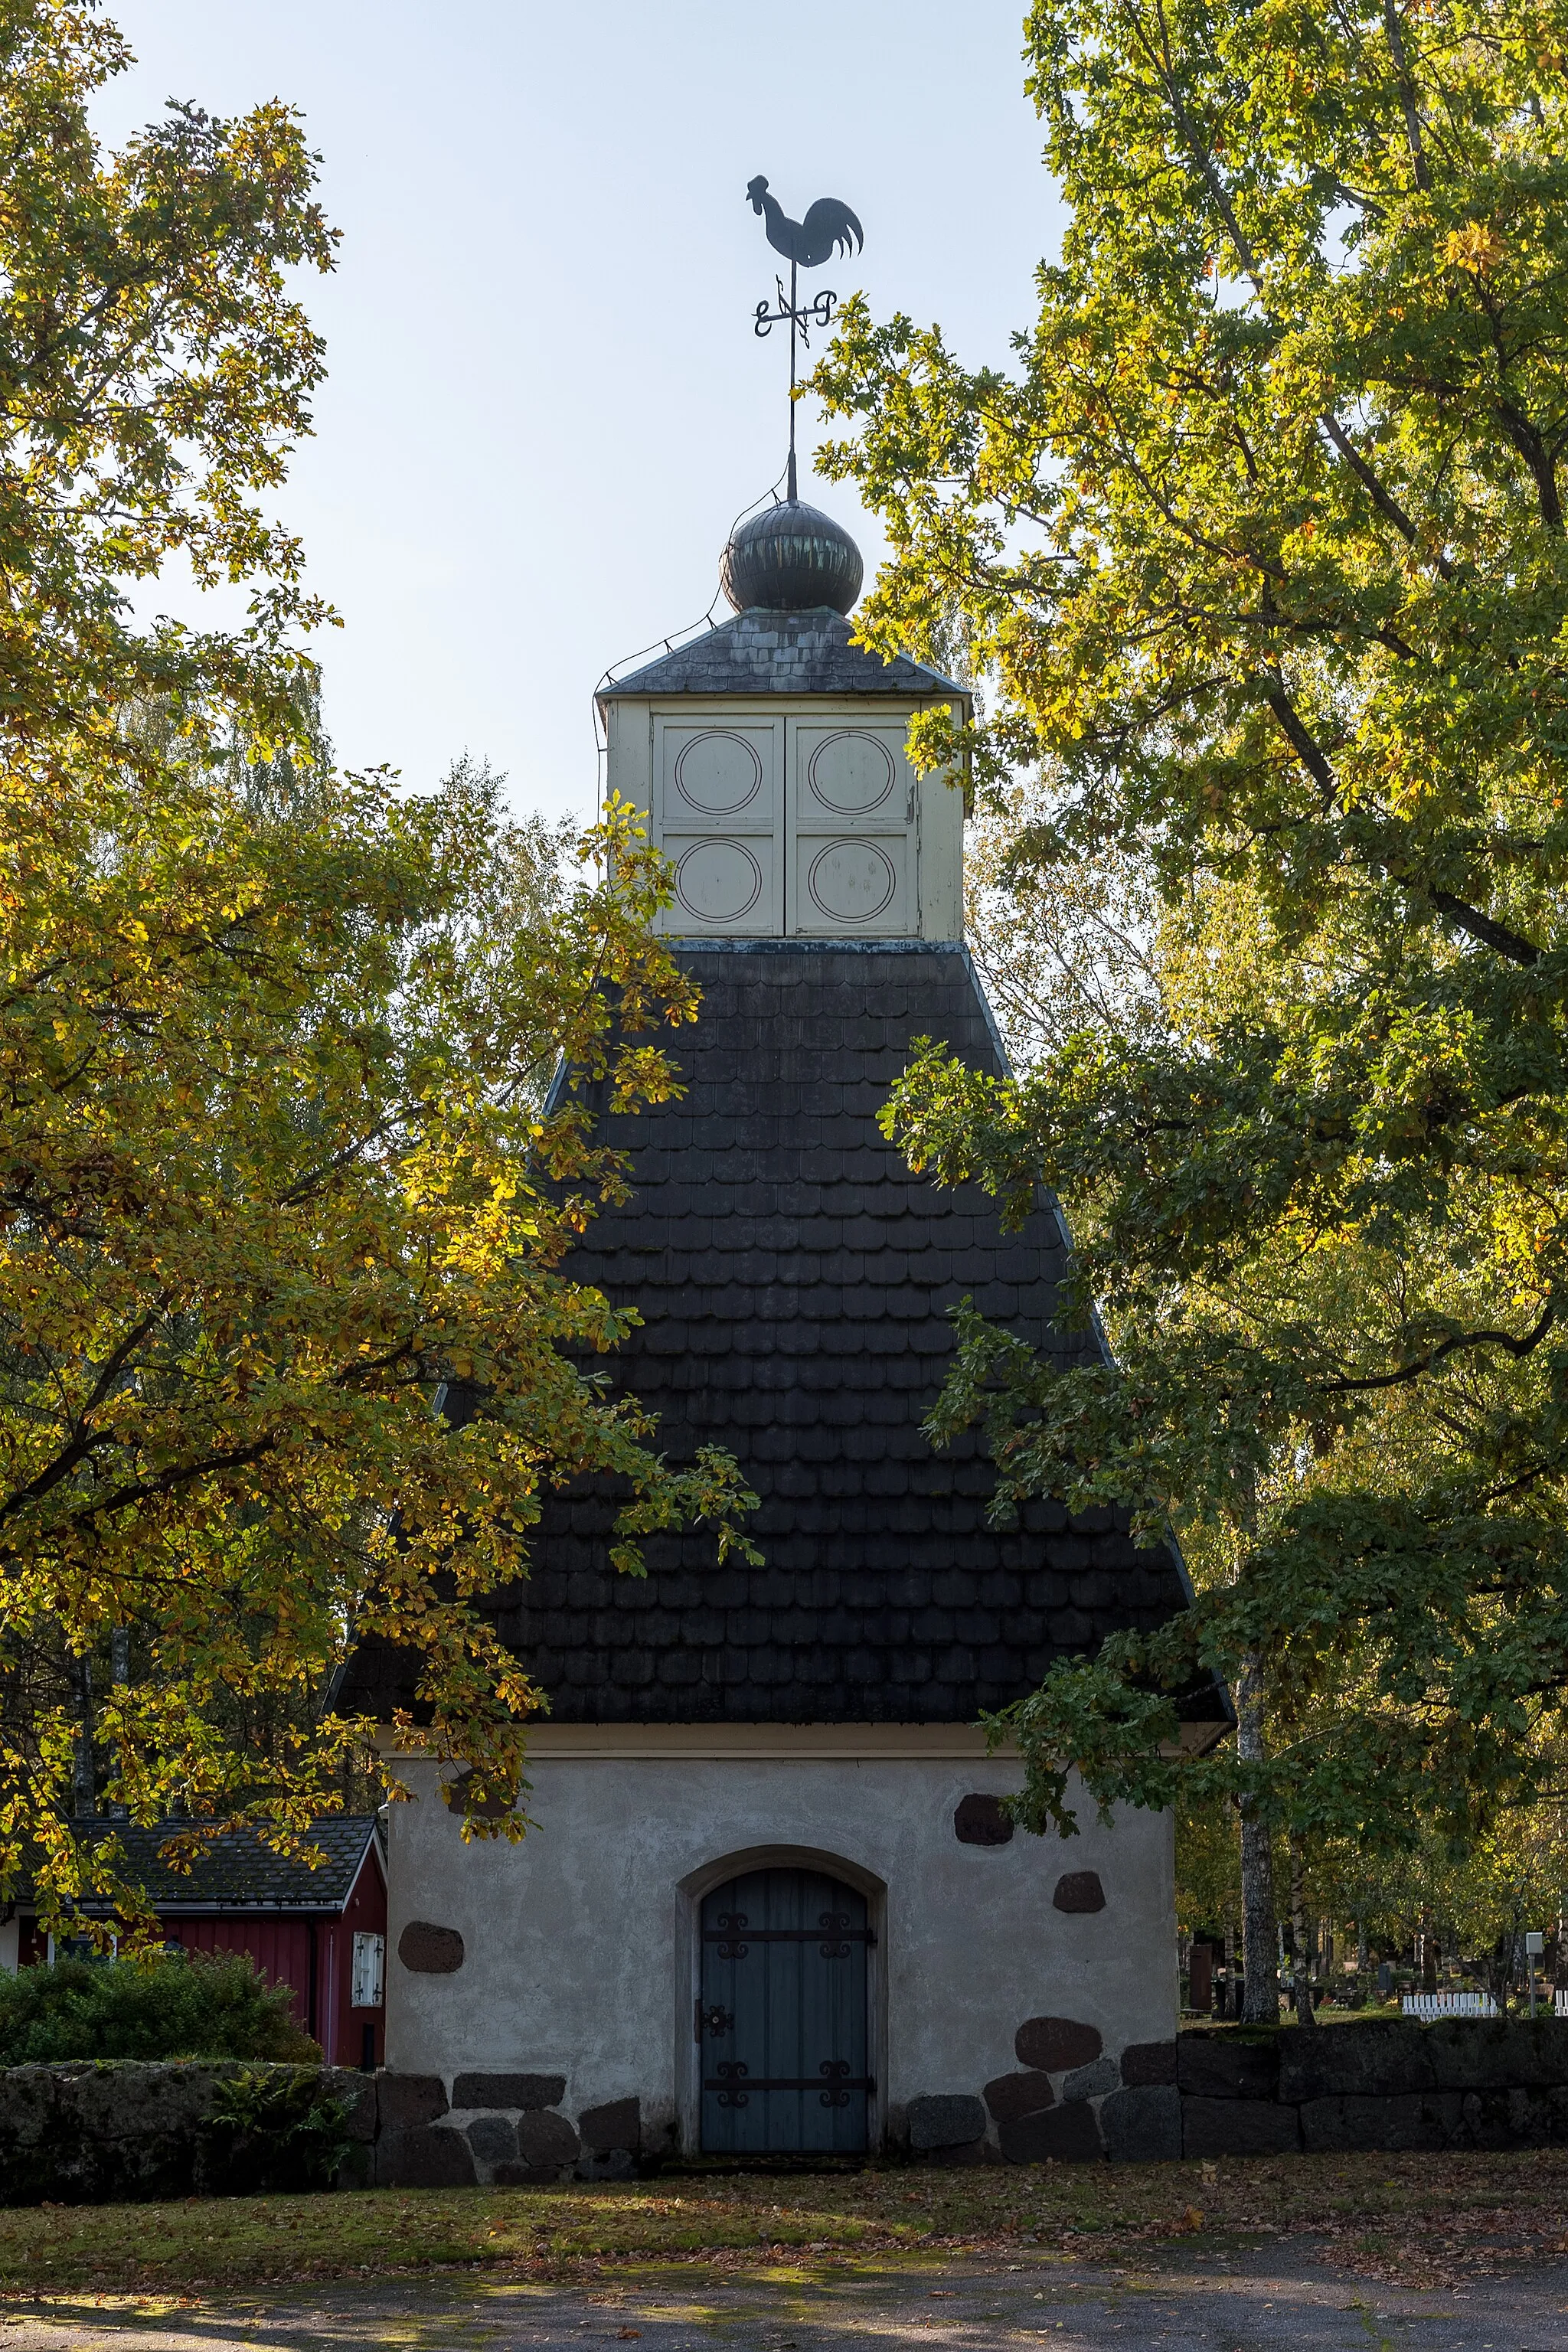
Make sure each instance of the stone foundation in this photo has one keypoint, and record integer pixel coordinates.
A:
(1069, 2101)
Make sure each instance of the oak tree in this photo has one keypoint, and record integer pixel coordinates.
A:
(1260, 541)
(280, 1156)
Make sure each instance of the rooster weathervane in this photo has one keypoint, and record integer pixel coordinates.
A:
(829, 228)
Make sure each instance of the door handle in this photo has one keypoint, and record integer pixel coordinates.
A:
(719, 2022)
(909, 804)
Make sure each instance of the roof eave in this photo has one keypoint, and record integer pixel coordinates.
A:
(651, 682)
(321, 1906)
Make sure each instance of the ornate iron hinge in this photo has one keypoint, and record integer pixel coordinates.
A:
(734, 1935)
(733, 2082)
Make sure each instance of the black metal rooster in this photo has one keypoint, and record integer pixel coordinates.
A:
(829, 228)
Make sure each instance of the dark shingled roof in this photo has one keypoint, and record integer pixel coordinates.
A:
(239, 1872)
(794, 1279)
(781, 653)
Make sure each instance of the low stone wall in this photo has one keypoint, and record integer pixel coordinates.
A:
(1461, 2082)
(1385, 2083)
(1071, 2100)
(95, 2132)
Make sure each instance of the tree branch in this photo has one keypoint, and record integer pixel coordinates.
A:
(1202, 157)
(1516, 1349)
(72, 1457)
(1478, 927)
(1382, 498)
(1536, 455)
(1406, 94)
(148, 1490)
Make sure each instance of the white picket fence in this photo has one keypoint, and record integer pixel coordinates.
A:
(1428, 2005)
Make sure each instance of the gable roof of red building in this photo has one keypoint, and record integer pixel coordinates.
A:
(240, 1871)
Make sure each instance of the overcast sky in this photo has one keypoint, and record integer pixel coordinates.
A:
(546, 400)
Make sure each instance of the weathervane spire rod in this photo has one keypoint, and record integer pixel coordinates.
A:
(794, 322)
(829, 228)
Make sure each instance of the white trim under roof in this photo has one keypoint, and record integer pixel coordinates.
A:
(709, 1741)
(782, 1742)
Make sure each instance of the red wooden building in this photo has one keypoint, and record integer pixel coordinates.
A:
(321, 1931)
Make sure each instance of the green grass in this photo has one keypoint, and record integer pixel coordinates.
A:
(1434, 2213)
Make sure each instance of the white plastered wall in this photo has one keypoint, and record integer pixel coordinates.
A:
(579, 1945)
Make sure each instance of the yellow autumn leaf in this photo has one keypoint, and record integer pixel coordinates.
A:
(1476, 247)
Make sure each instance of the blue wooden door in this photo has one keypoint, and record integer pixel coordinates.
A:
(781, 2018)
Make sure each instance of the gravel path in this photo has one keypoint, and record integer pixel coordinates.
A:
(1282, 2295)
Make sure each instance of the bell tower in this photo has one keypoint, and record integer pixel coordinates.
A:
(770, 758)
(742, 1750)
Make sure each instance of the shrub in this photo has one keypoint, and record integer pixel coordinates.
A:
(216, 2006)
(275, 2129)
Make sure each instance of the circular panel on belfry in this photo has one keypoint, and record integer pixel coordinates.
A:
(851, 881)
(719, 773)
(851, 773)
(718, 881)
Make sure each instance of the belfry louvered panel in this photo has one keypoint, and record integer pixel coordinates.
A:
(780, 826)
(719, 818)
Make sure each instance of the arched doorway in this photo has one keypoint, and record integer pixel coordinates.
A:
(781, 2015)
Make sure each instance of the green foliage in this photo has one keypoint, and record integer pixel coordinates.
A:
(276, 2128)
(1208, 1876)
(158, 365)
(277, 1177)
(165, 2008)
(1261, 548)
(1061, 950)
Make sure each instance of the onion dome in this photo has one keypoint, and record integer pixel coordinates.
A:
(792, 558)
